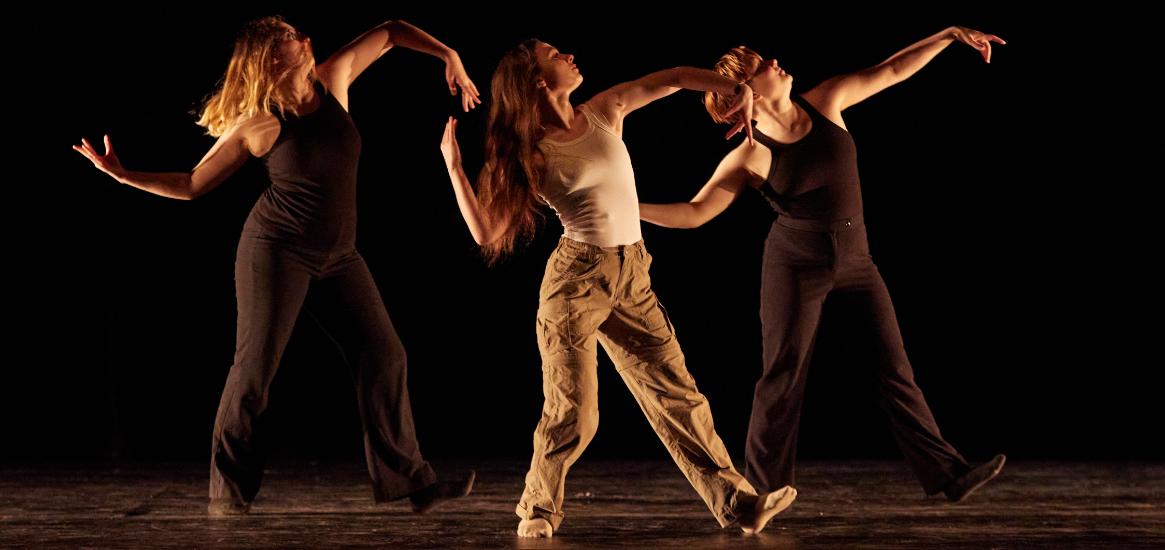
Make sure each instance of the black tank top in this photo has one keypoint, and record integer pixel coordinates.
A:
(815, 177)
(312, 198)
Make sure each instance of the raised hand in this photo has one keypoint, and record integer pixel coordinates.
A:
(449, 147)
(107, 163)
(455, 75)
(975, 39)
(742, 105)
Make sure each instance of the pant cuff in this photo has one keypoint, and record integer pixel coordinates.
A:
(534, 512)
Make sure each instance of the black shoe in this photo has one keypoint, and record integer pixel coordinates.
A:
(222, 507)
(961, 488)
(425, 499)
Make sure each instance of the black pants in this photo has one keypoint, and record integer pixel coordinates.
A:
(804, 263)
(273, 282)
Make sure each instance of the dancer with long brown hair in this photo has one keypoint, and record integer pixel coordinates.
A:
(806, 166)
(542, 149)
(297, 251)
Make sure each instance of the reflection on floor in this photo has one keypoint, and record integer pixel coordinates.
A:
(643, 505)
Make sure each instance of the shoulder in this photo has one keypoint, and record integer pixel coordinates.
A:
(605, 111)
(822, 95)
(827, 100)
(257, 133)
(754, 160)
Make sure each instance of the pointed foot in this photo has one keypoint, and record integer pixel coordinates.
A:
(225, 507)
(961, 488)
(428, 498)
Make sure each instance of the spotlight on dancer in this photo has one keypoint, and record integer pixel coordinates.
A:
(804, 162)
(298, 247)
(542, 149)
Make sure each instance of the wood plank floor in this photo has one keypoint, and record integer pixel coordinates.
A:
(642, 505)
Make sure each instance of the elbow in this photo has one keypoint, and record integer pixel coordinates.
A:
(689, 223)
(485, 240)
(681, 78)
(191, 190)
(390, 28)
(482, 238)
(698, 215)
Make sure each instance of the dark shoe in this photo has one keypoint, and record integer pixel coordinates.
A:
(425, 499)
(961, 488)
(222, 507)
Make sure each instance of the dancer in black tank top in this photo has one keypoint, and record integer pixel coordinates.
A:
(297, 251)
(806, 166)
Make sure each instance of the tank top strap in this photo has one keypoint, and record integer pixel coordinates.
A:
(809, 108)
(819, 120)
(767, 141)
(597, 118)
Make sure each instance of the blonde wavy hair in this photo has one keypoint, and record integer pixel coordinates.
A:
(254, 84)
(739, 64)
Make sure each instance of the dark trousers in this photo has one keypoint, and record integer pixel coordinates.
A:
(804, 263)
(273, 283)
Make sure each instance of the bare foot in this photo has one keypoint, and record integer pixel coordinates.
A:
(537, 527)
(766, 507)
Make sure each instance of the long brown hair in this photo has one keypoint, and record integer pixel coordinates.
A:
(510, 184)
(254, 83)
(739, 64)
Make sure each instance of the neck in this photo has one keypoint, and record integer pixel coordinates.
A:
(302, 90)
(556, 111)
(781, 111)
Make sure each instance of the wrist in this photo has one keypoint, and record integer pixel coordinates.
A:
(119, 174)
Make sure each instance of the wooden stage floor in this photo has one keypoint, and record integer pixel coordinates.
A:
(641, 505)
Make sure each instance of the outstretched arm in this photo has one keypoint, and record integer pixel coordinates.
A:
(224, 158)
(341, 69)
(841, 92)
(620, 100)
(484, 230)
(730, 178)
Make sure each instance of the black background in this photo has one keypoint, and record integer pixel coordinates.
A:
(1010, 209)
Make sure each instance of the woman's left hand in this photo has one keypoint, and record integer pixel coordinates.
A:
(455, 75)
(742, 106)
(975, 39)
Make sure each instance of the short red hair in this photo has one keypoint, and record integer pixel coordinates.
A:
(739, 64)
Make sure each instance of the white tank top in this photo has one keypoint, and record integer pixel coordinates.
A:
(590, 185)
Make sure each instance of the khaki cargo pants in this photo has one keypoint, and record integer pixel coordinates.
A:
(590, 293)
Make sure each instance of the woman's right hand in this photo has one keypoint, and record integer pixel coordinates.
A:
(449, 147)
(107, 163)
(476, 219)
(979, 40)
(742, 106)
